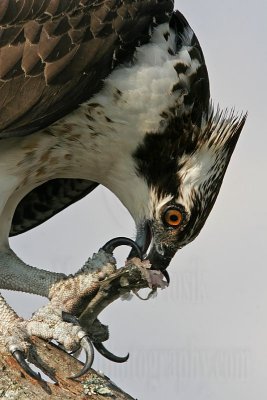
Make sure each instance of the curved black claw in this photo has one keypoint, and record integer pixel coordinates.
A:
(111, 245)
(107, 354)
(89, 351)
(166, 275)
(85, 343)
(67, 317)
(20, 357)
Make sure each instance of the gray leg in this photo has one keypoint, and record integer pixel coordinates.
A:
(16, 275)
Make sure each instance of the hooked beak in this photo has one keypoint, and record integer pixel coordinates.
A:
(159, 256)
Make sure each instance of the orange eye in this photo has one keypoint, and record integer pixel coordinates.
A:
(173, 217)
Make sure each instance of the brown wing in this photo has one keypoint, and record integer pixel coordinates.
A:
(47, 200)
(55, 53)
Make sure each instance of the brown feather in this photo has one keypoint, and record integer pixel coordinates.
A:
(50, 49)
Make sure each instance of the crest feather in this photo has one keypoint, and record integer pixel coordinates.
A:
(222, 127)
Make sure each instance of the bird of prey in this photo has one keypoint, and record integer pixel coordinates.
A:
(109, 92)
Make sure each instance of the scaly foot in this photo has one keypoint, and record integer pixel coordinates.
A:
(58, 320)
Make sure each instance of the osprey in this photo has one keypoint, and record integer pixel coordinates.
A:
(110, 92)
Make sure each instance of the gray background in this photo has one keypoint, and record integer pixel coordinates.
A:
(206, 336)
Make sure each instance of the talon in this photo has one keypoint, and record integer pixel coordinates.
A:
(89, 351)
(107, 354)
(67, 317)
(111, 245)
(20, 357)
(166, 275)
(85, 344)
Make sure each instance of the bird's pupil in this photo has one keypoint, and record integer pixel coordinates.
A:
(174, 217)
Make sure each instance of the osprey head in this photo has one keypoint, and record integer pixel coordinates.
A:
(183, 167)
